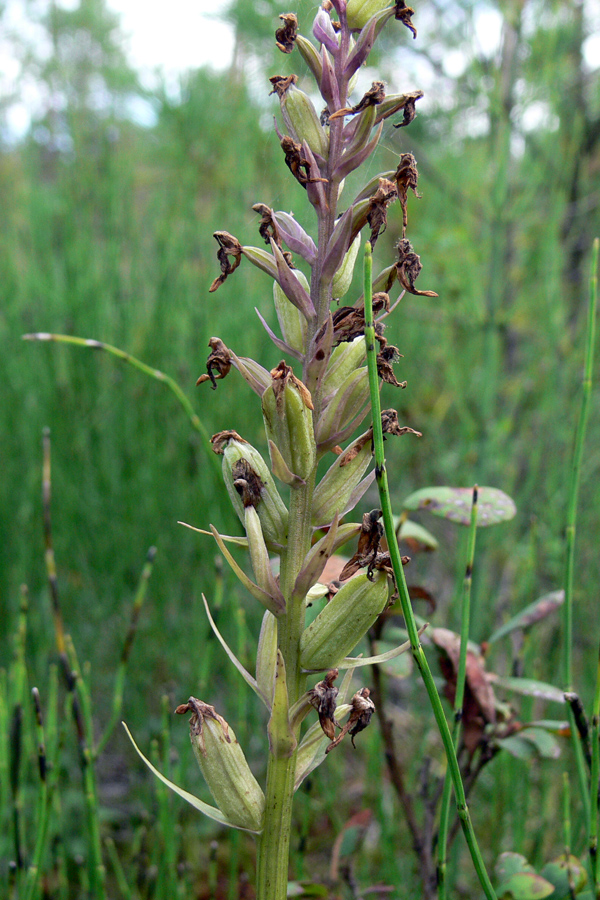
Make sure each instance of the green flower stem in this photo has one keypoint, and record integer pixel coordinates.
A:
(594, 781)
(458, 700)
(586, 393)
(274, 840)
(411, 626)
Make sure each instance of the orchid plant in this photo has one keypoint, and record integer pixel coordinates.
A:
(295, 506)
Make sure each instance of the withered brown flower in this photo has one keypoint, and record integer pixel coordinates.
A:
(219, 361)
(286, 35)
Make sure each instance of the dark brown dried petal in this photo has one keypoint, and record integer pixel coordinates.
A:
(408, 268)
(368, 545)
(282, 83)
(228, 246)
(286, 35)
(409, 111)
(297, 163)
(267, 227)
(352, 452)
(247, 483)
(281, 375)
(360, 717)
(390, 424)
(403, 13)
(386, 373)
(373, 97)
(385, 194)
(406, 179)
(221, 439)
(323, 697)
(219, 362)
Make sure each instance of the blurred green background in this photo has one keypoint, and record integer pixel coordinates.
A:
(106, 233)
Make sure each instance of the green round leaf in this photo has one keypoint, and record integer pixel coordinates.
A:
(559, 871)
(493, 505)
(525, 886)
(509, 863)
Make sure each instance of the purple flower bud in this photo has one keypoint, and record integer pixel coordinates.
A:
(291, 286)
(328, 84)
(296, 237)
(323, 31)
(365, 41)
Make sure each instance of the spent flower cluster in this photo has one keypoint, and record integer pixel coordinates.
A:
(287, 510)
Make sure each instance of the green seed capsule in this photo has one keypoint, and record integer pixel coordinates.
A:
(344, 360)
(287, 412)
(347, 403)
(223, 764)
(358, 12)
(333, 492)
(271, 510)
(343, 277)
(344, 621)
(305, 120)
(291, 321)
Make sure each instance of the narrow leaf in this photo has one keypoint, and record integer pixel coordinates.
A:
(252, 588)
(228, 538)
(537, 610)
(250, 681)
(282, 741)
(529, 687)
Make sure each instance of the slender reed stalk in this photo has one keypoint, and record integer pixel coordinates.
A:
(411, 626)
(595, 785)
(570, 532)
(465, 616)
(195, 421)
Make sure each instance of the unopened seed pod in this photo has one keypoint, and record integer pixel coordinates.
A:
(358, 12)
(305, 120)
(333, 492)
(271, 510)
(344, 621)
(291, 321)
(347, 403)
(343, 277)
(344, 360)
(223, 764)
(287, 412)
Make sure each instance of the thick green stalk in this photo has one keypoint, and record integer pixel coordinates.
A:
(575, 473)
(274, 840)
(411, 625)
(458, 700)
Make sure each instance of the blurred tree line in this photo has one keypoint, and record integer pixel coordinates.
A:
(106, 233)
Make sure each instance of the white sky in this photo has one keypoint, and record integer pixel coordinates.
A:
(183, 35)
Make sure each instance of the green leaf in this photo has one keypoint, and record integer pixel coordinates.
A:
(525, 886)
(530, 688)
(493, 505)
(545, 744)
(510, 863)
(558, 872)
(211, 811)
(517, 747)
(410, 530)
(532, 613)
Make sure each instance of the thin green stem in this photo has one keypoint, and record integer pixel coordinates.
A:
(195, 421)
(411, 625)
(573, 494)
(594, 784)
(459, 698)
(127, 645)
